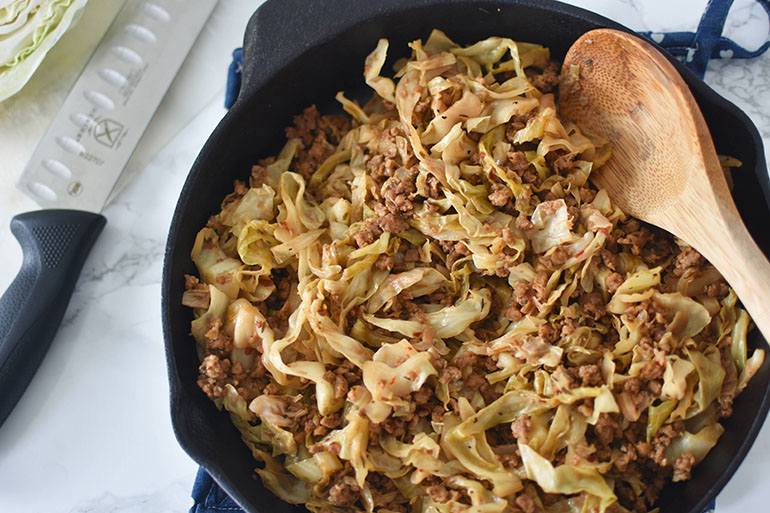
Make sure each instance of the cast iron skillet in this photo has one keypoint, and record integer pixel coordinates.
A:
(300, 52)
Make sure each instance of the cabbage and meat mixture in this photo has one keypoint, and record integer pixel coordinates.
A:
(425, 306)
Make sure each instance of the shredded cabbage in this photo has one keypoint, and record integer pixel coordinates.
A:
(426, 306)
(28, 30)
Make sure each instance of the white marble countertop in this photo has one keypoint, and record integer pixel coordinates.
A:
(92, 432)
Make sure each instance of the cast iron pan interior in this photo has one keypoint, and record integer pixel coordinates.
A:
(298, 53)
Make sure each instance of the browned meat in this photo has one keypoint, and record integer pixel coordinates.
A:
(344, 492)
(686, 259)
(392, 223)
(526, 503)
(385, 262)
(590, 375)
(613, 282)
(555, 258)
(441, 494)
(683, 467)
(521, 427)
(319, 135)
(545, 80)
(214, 376)
(500, 194)
(368, 234)
(593, 305)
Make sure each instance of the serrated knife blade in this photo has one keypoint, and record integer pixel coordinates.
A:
(75, 167)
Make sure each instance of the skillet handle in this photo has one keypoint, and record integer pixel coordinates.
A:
(55, 244)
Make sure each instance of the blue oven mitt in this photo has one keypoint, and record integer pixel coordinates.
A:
(208, 497)
(694, 48)
(706, 43)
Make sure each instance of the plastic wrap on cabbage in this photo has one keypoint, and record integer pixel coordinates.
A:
(426, 306)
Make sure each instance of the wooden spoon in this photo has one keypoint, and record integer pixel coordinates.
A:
(664, 169)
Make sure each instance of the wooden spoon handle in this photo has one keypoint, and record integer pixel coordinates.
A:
(746, 269)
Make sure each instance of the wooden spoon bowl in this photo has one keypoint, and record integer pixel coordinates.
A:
(664, 169)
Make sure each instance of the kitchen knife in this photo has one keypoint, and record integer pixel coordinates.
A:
(76, 166)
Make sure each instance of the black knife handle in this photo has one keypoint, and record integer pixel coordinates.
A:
(55, 244)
